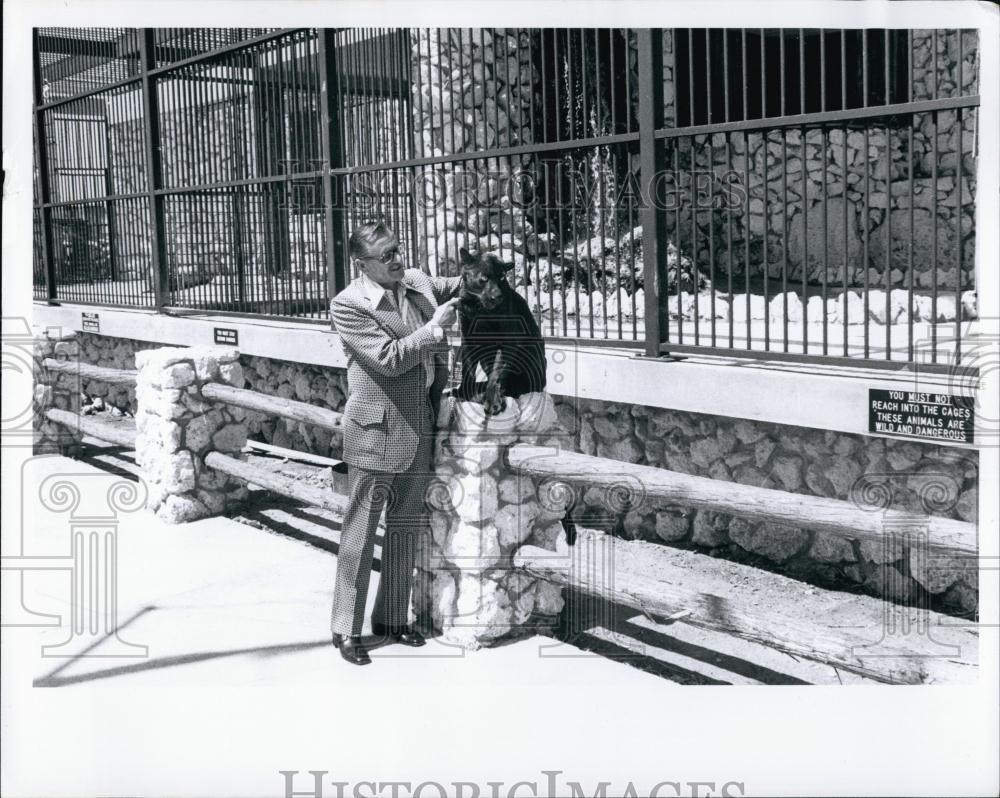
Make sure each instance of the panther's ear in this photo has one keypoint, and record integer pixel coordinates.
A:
(464, 256)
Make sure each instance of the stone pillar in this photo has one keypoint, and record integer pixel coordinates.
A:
(53, 389)
(176, 427)
(481, 514)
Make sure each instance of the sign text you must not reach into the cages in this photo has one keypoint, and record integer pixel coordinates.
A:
(939, 416)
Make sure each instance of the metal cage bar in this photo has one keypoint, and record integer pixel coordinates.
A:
(244, 156)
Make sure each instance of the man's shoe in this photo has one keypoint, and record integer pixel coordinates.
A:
(406, 634)
(352, 649)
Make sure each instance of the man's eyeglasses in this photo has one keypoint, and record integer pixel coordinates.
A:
(386, 257)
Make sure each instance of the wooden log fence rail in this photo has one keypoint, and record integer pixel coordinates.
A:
(95, 428)
(241, 397)
(86, 370)
(286, 486)
(851, 632)
(275, 405)
(842, 518)
(845, 519)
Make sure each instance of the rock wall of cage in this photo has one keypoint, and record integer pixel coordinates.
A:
(828, 201)
(527, 136)
(473, 90)
(868, 217)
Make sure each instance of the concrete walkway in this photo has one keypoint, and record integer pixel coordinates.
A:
(225, 602)
(240, 683)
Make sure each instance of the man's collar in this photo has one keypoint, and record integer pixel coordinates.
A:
(374, 291)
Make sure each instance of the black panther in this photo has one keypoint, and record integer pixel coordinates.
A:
(499, 334)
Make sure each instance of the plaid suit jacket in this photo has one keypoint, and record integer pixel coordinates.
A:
(388, 403)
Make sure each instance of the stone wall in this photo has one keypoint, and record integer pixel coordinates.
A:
(320, 386)
(768, 231)
(897, 474)
(323, 387)
(921, 477)
(116, 353)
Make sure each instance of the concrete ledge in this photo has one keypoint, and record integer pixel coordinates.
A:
(809, 395)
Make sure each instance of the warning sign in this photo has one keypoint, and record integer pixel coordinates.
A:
(940, 416)
(226, 335)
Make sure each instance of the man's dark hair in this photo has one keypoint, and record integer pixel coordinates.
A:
(364, 237)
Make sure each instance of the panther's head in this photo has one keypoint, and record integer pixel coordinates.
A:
(484, 279)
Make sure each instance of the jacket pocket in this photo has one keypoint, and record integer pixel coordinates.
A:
(365, 414)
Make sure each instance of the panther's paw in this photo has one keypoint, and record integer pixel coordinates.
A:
(494, 402)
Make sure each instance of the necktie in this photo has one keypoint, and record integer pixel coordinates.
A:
(411, 318)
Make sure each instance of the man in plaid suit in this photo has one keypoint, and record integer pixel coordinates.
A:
(392, 327)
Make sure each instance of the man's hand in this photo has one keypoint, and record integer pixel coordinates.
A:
(446, 313)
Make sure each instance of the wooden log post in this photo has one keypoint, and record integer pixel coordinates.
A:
(177, 425)
(842, 518)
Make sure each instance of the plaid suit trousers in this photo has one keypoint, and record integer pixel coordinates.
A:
(403, 496)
